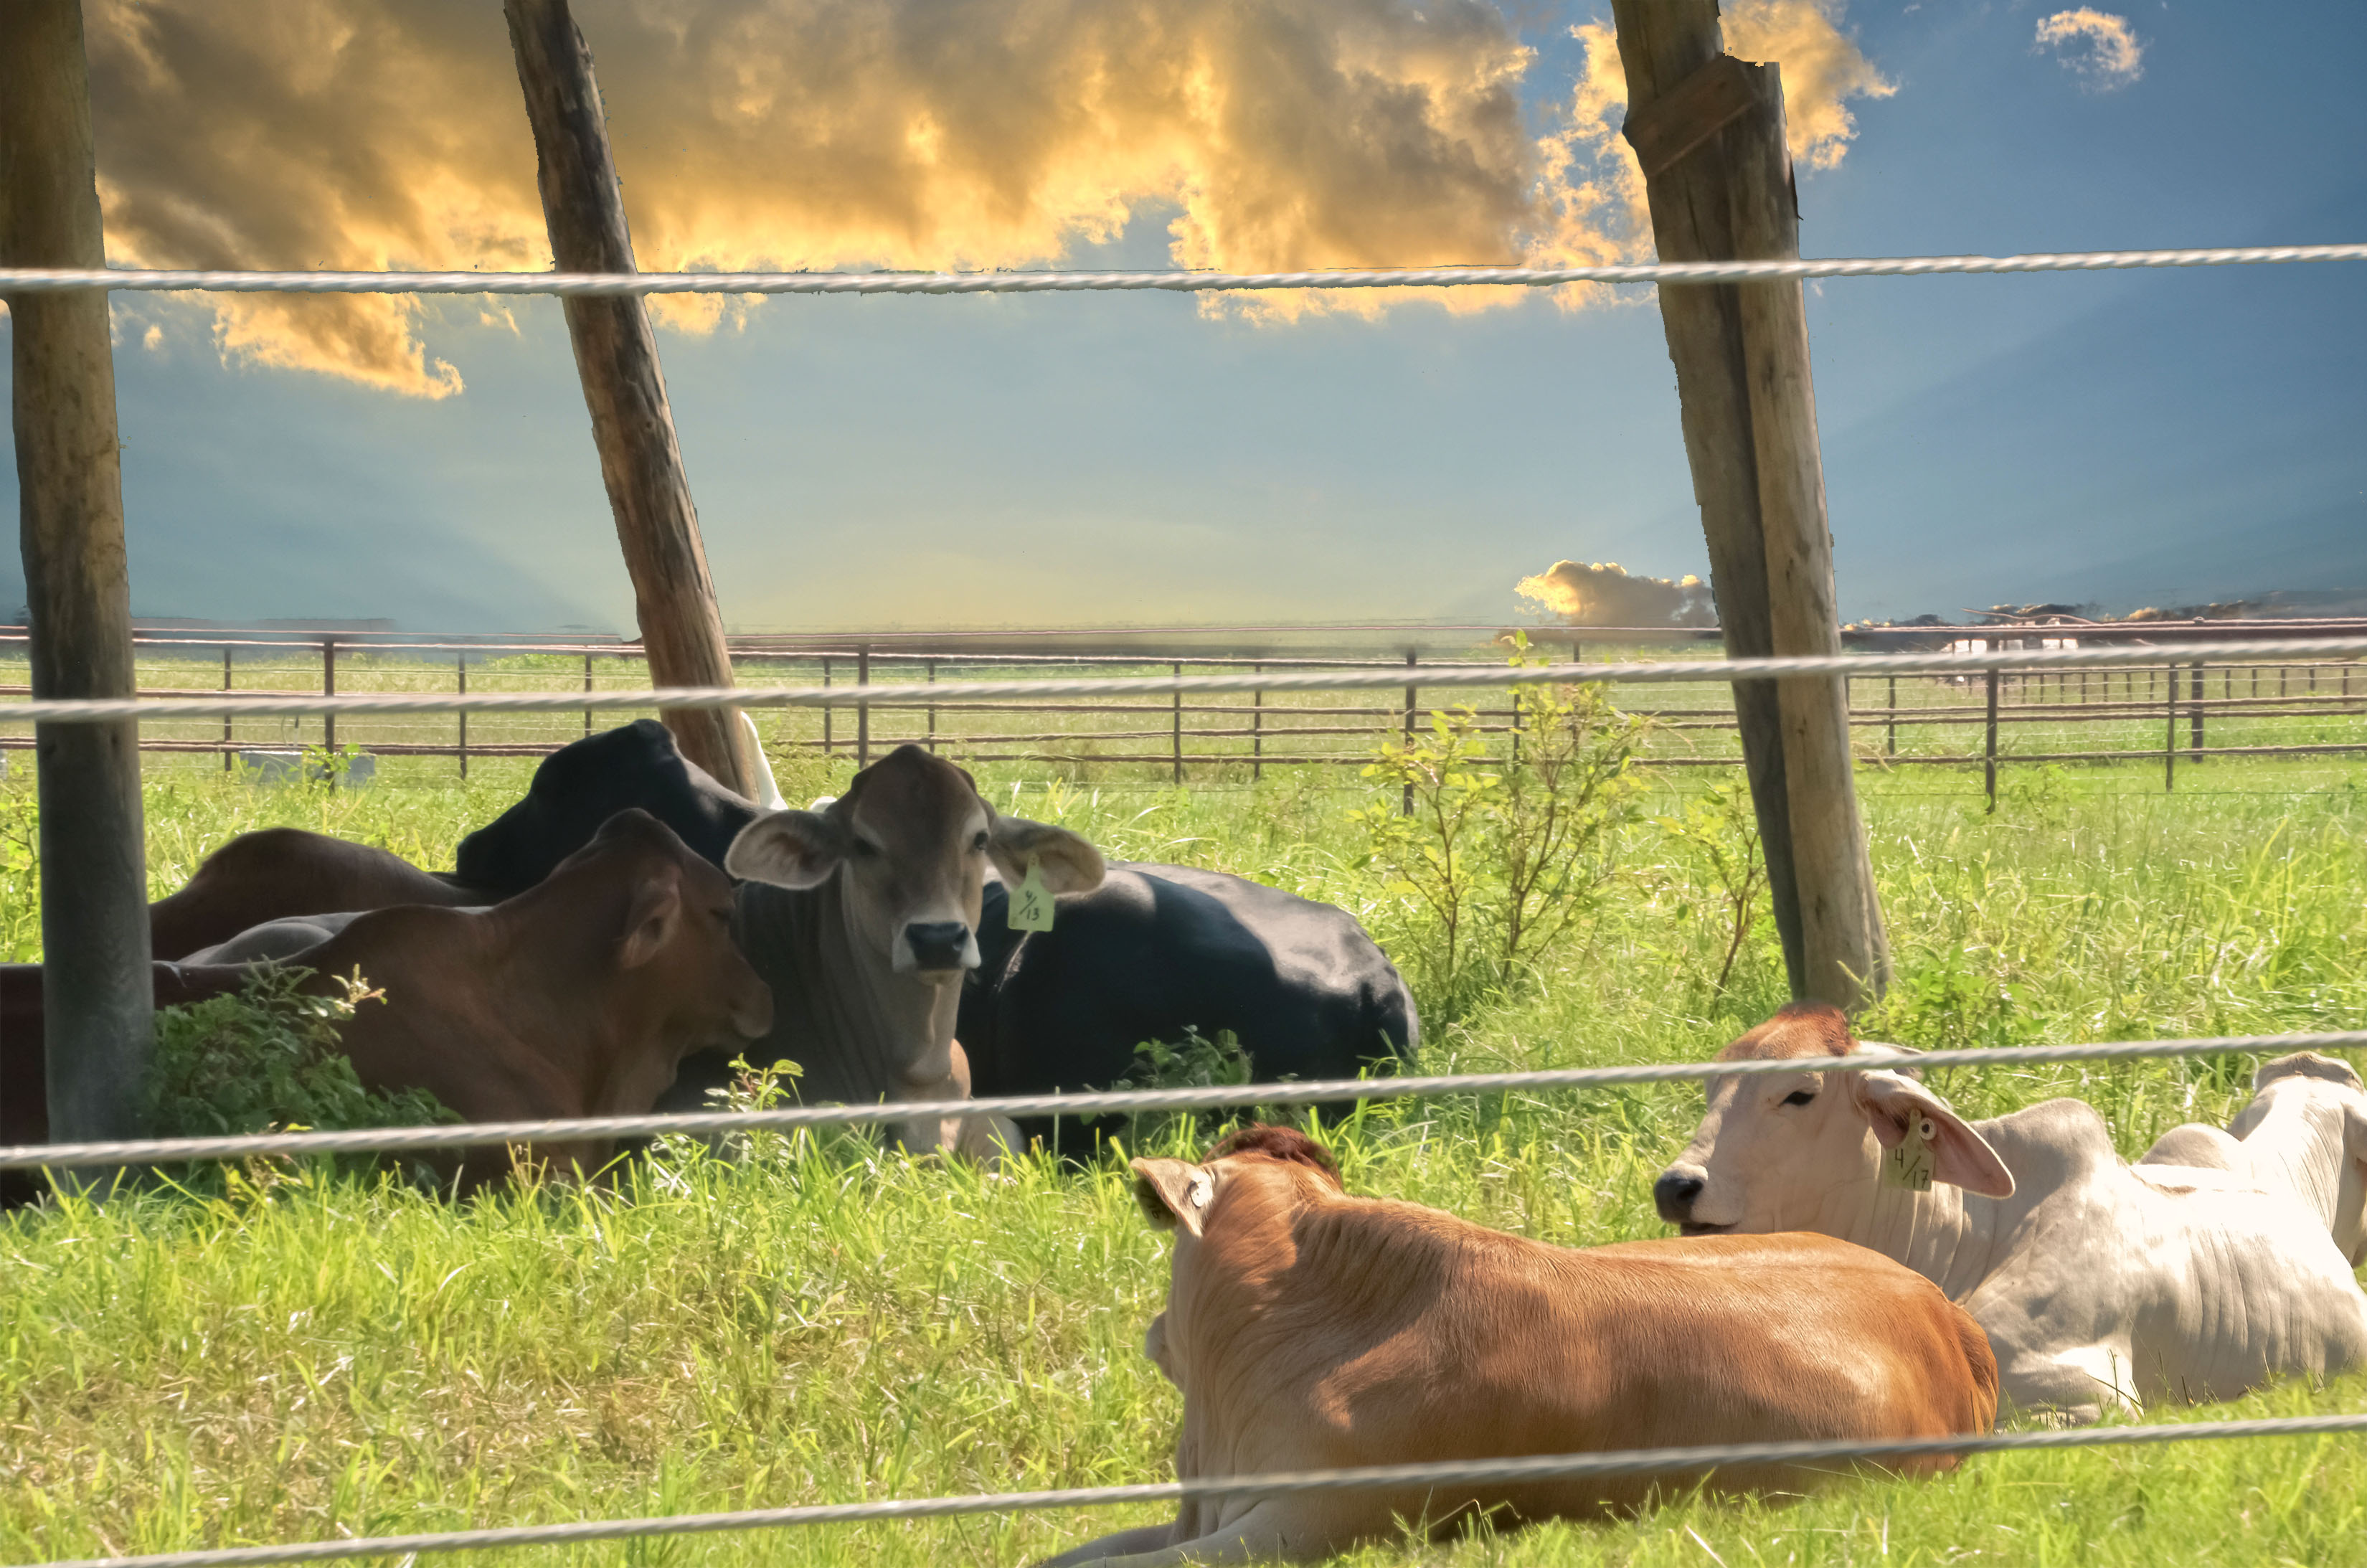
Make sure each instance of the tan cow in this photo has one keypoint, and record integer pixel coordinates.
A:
(1309, 1329)
(579, 998)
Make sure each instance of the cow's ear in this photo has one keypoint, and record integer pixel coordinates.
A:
(1895, 1105)
(1173, 1193)
(651, 923)
(1071, 862)
(788, 849)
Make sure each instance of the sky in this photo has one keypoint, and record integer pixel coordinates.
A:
(2125, 439)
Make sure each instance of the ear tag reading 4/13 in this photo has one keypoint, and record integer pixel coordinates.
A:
(1031, 902)
(1907, 1165)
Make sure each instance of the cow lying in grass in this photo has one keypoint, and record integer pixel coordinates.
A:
(2305, 1134)
(1309, 1329)
(577, 998)
(2100, 1284)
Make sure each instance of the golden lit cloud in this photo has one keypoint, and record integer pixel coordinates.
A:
(2101, 48)
(1604, 594)
(1267, 136)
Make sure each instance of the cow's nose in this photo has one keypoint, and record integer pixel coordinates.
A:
(1674, 1196)
(938, 944)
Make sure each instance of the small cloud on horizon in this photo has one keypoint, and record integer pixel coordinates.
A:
(2102, 49)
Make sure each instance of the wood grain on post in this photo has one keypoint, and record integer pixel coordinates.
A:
(100, 1024)
(1709, 132)
(616, 358)
(1662, 43)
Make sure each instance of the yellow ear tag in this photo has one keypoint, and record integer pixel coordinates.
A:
(1031, 902)
(1907, 1165)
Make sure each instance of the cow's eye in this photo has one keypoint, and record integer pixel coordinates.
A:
(979, 844)
(865, 848)
(1799, 1096)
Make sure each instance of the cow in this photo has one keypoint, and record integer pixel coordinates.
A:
(1309, 1329)
(874, 904)
(278, 872)
(2101, 1285)
(2304, 1134)
(578, 997)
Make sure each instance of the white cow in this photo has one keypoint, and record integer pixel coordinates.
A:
(2100, 1284)
(2305, 1133)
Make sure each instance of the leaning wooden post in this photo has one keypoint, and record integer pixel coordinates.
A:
(1708, 130)
(100, 1027)
(616, 358)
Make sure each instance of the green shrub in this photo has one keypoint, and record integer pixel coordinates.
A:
(269, 1057)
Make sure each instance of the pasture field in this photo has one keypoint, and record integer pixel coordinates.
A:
(315, 1356)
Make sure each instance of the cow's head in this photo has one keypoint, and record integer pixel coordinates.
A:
(1284, 1167)
(911, 838)
(1775, 1149)
(2334, 1106)
(671, 916)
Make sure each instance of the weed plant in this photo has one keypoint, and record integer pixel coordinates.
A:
(811, 1320)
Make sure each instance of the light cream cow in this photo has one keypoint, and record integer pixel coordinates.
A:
(2100, 1284)
(2305, 1133)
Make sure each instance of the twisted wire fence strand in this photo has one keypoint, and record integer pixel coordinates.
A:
(1334, 1091)
(1554, 1467)
(29, 281)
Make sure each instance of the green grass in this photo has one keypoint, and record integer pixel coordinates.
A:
(315, 1355)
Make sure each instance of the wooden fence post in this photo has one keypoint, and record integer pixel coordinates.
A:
(2169, 741)
(1709, 132)
(464, 717)
(933, 711)
(230, 751)
(587, 691)
(1988, 746)
(1890, 746)
(624, 386)
(329, 689)
(99, 1022)
(827, 749)
(1179, 725)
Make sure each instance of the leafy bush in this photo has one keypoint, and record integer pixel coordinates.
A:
(1502, 857)
(1196, 1061)
(269, 1057)
(1720, 826)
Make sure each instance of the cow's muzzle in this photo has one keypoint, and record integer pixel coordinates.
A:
(1674, 1196)
(939, 945)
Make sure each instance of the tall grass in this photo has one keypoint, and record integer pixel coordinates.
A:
(320, 1354)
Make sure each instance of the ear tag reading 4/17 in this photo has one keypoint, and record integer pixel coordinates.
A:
(1907, 1165)
(1031, 902)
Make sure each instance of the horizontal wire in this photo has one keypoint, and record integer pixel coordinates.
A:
(1457, 1473)
(33, 280)
(93, 710)
(1327, 1091)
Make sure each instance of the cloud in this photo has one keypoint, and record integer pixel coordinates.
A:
(1602, 594)
(2101, 48)
(1268, 134)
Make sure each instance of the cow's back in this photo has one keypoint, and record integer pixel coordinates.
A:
(1158, 949)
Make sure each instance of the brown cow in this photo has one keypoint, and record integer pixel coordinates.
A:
(1309, 1329)
(579, 998)
(281, 871)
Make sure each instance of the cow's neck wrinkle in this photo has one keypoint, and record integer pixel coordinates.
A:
(859, 1031)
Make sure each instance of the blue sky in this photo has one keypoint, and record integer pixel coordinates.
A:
(2128, 438)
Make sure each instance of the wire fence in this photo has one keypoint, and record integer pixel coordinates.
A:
(1337, 707)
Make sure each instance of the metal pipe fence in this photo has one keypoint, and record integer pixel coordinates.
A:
(2248, 708)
